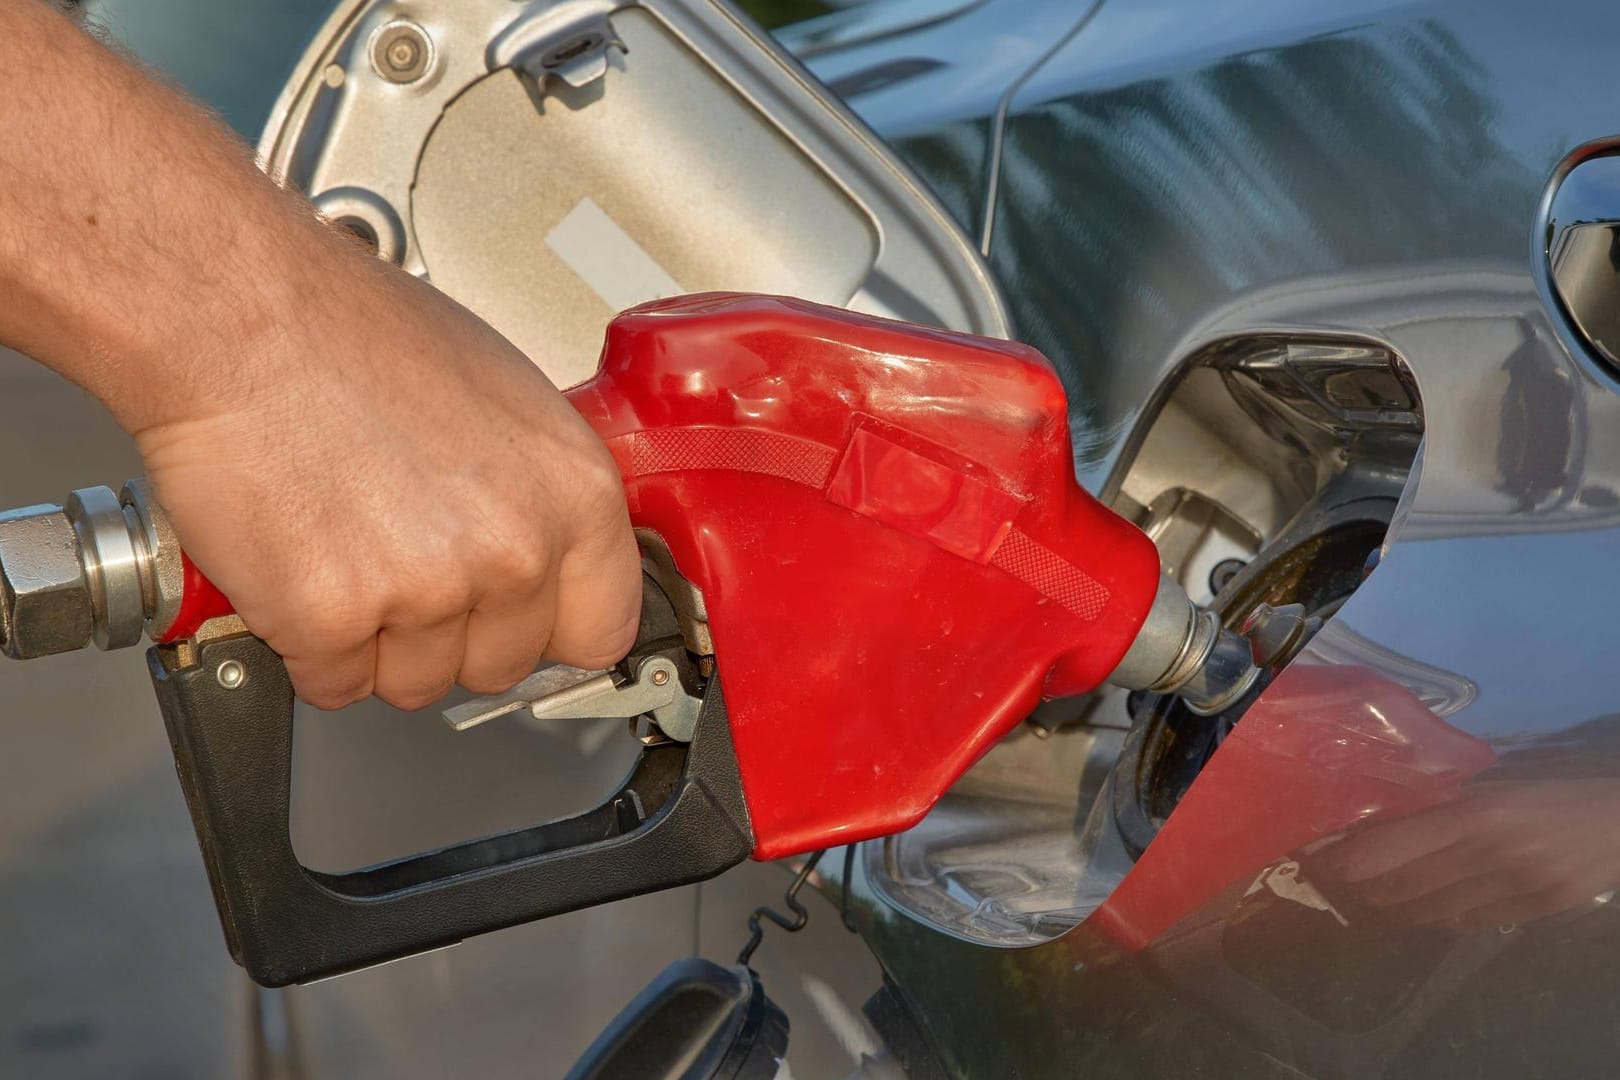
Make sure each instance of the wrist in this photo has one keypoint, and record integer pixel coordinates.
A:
(227, 340)
(151, 263)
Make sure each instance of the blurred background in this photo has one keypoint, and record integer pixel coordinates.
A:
(111, 958)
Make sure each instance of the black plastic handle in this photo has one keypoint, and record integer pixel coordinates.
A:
(679, 817)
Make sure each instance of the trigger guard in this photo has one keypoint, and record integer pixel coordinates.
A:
(678, 818)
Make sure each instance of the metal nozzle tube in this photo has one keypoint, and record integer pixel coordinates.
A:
(1185, 651)
(101, 568)
(114, 558)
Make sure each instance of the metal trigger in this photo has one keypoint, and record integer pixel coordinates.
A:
(569, 693)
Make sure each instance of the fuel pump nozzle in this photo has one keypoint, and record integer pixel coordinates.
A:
(107, 569)
(867, 560)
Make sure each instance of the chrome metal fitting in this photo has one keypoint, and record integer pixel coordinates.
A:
(163, 580)
(231, 675)
(401, 52)
(1276, 634)
(46, 597)
(112, 549)
(101, 567)
(1185, 651)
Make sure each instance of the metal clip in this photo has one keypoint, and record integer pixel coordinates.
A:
(1284, 881)
(563, 692)
(658, 562)
(569, 41)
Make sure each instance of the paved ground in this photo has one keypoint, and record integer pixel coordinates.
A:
(111, 960)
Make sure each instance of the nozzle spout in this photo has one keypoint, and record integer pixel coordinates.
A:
(1183, 650)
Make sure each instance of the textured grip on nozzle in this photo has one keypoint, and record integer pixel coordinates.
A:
(1184, 650)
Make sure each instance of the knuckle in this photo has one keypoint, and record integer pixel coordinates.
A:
(615, 645)
(498, 674)
(496, 670)
(523, 563)
(352, 696)
(320, 698)
(328, 636)
(599, 473)
(333, 696)
(416, 690)
(410, 699)
(600, 489)
(598, 653)
(408, 592)
(494, 681)
(316, 621)
(430, 604)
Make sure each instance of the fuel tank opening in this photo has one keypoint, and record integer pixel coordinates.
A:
(1268, 470)
(1170, 742)
(1281, 463)
(1184, 651)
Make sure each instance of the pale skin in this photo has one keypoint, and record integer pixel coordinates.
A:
(391, 494)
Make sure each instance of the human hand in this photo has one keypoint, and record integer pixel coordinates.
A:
(393, 496)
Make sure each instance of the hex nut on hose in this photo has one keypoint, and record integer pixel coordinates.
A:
(46, 597)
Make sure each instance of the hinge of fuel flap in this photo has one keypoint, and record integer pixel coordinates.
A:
(565, 41)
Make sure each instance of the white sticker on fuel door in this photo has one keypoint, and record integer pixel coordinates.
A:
(608, 259)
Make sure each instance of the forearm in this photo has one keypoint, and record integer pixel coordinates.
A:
(392, 510)
(142, 254)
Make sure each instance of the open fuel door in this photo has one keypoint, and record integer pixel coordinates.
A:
(551, 163)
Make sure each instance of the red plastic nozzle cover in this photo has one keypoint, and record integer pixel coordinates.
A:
(896, 559)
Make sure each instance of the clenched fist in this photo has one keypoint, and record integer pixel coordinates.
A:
(396, 500)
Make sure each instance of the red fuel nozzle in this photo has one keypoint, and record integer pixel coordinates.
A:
(894, 557)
